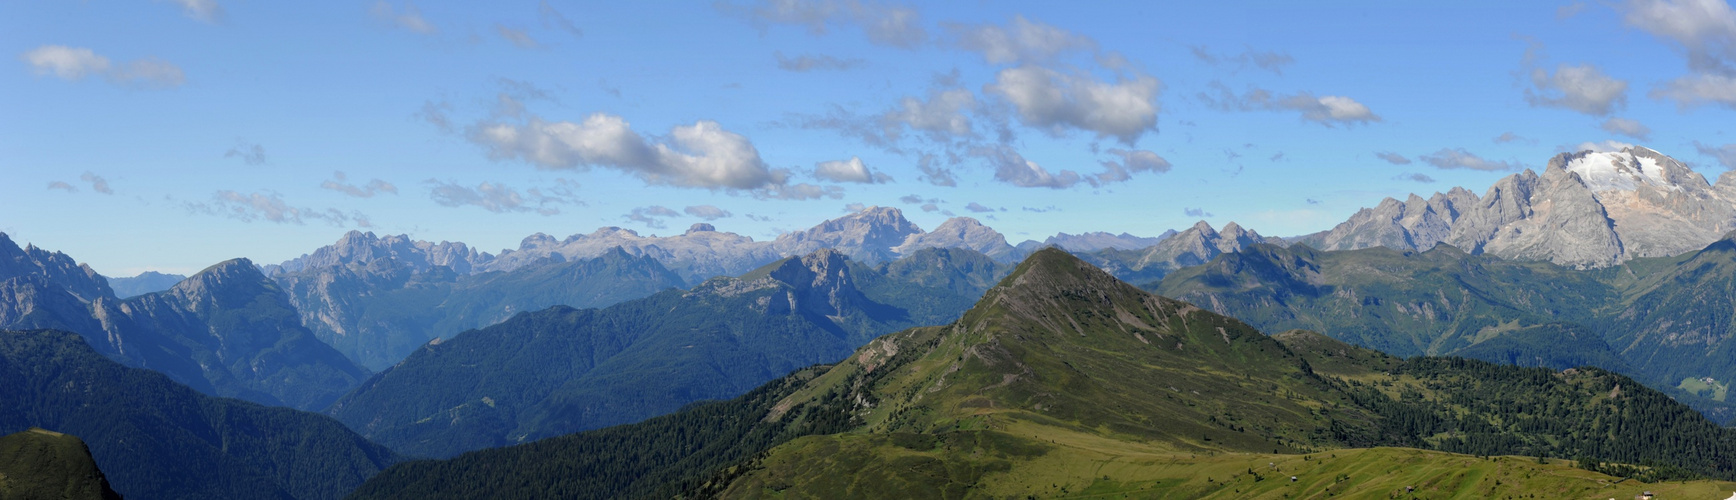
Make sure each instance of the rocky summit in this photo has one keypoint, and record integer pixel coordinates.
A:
(1586, 210)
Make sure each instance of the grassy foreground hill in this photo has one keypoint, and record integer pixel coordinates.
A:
(1063, 381)
(39, 463)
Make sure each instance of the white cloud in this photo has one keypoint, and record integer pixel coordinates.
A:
(943, 115)
(1697, 89)
(500, 198)
(409, 18)
(1726, 154)
(203, 10)
(1582, 88)
(1021, 41)
(1196, 212)
(851, 170)
(63, 186)
(1416, 177)
(707, 212)
(651, 216)
(799, 191)
(1128, 162)
(1627, 127)
(1507, 137)
(1608, 146)
(375, 186)
(1325, 110)
(68, 63)
(554, 19)
(1457, 158)
(518, 37)
(1706, 31)
(97, 183)
(702, 155)
(74, 63)
(1393, 158)
(1012, 168)
(816, 62)
(1053, 101)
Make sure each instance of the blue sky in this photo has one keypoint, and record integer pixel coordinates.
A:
(171, 135)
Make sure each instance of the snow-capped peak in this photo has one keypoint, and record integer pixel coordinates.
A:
(1629, 168)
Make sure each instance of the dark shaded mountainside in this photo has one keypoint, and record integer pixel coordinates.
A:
(156, 438)
(1063, 380)
(39, 463)
(227, 331)
(563, 370)
(1665, 321)
(379, 311)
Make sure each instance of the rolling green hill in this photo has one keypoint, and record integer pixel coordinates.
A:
(562, 370)
(39, 463)
(155, 438)
(1063, 381)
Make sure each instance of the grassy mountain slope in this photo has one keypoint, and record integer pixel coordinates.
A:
(39, 463)
(563, 370)
(1064, 381)
(155, 438)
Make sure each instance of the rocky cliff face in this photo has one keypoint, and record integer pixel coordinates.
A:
(867, 236)
(1587, 210)
(358, 247)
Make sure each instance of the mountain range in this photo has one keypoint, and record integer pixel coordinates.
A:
(226, 331)
(1064, 381)
(145, 282)
(562, 370)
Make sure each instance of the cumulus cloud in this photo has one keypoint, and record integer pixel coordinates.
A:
(552, 18)
(519, 38)
(1326, 110)
(409, 17)
(978, 208)
(1053, 101)
(1459, 158)
(707, 212)
(249, 153)
(1020, 41)
(888, 25)
(271, 207)
(1196, 212)
(373, 187)
(934, 173)
(1126, 163)
(1582, 88)
(203, 10)
(75, 63)
(1393, 158)
(97, 182)
(1269, 61)
(1012, 168)
(651, 216)
(851, 170)
(1698, 89)
(816, 62)
(943, 116)
(930, 207)
(1627, 127)
(499, 198)
(1726, 154)
(63, 186)
(702, 155)
(1706, 31)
